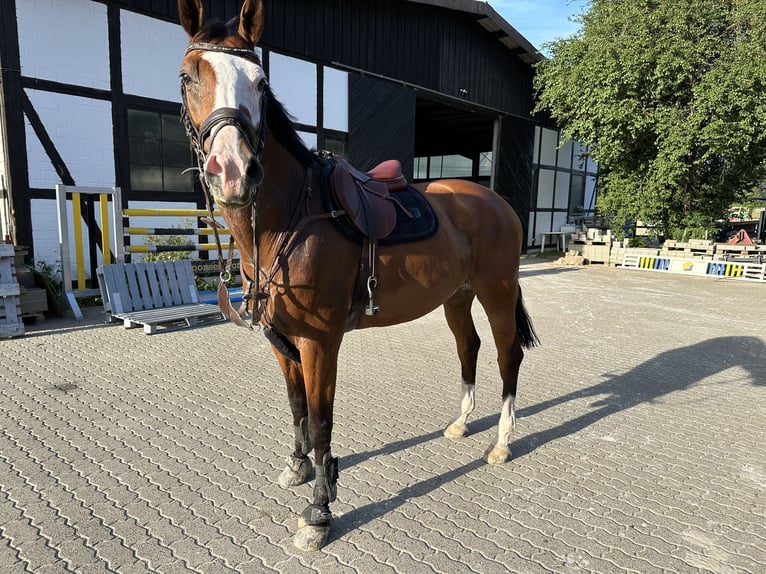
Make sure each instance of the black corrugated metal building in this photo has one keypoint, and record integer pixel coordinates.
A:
(429, 78)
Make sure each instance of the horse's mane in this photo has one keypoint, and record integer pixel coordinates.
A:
(278, 121)
(280, 124)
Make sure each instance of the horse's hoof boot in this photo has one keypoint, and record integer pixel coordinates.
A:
(297, 471)
(310, 538)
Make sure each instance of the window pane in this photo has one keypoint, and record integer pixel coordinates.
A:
(336, 146)
(562, 190)
(309, 139)
(577, 195)
(435, 167)
(144, 152)
(421, 168)
(456, 166)
(565, 156)
(159, 152)
(545, 189)
(173, 130)
(144, 124)
(176, 180)
(485, 164)
(176, 154)
(549, 144)
(145, 178)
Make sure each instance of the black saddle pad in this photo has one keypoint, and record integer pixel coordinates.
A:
(421, 225)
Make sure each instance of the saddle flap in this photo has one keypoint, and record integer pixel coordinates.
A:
(366, 202)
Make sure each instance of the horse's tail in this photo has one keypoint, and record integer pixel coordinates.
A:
(524, 328)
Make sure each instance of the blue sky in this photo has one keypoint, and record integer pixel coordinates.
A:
(540, 21)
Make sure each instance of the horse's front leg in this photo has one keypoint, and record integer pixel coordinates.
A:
(320, 364)
(298, 469)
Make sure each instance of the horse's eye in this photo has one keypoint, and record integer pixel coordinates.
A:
(261, 84)
(185, 78)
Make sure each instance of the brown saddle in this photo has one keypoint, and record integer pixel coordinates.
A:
(367, 202)
(366, 197)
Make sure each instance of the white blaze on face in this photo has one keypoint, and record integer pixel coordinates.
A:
(237, 83)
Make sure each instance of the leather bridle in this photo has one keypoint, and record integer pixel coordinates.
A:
(209, 128)
(222, 117)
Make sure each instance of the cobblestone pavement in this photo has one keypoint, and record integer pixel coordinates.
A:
(640, 444)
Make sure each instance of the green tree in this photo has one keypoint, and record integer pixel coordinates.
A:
(671, 95)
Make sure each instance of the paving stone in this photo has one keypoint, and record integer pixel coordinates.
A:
(640, 442)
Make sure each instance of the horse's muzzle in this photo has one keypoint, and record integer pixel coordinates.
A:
(233, 176)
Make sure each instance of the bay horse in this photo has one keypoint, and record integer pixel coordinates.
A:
(302, 273)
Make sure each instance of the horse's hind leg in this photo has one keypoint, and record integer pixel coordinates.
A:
(298, 468)
(509, 361)
(501, 305)
(457, 310)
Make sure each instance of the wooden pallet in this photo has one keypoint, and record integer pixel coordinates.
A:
(11, 324)
(153, 294)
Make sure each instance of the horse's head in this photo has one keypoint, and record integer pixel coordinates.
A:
(223, 85)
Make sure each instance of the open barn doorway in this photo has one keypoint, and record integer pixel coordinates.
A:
(452, 142)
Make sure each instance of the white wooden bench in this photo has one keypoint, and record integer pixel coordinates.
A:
(153, 294)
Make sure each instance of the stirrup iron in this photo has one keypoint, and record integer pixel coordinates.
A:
(372, 308)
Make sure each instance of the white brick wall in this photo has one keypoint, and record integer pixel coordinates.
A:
(81, 130)
(64, 41)
(294, 83)
(152, 51)
(335, 99)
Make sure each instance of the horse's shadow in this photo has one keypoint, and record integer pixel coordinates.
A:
(671, 371)
(675, 370)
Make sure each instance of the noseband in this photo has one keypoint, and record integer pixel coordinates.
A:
(221, 117)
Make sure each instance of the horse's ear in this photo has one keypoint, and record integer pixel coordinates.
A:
(251, 21)
(191, 15)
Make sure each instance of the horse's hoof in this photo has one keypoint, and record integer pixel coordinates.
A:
(310, 538)
(456, 430)
(497, 454)
(297, 471)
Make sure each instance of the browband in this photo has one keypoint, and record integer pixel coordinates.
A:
(246, 52)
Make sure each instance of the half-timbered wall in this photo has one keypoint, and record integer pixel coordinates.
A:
(77, 95)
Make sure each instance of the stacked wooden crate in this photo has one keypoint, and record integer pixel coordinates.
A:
(593, 244)
(11, 324)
